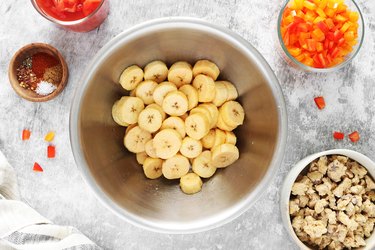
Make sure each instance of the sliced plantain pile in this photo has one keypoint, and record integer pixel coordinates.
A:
(179, 120)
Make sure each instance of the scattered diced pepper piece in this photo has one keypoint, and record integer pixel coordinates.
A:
(320, 103)
(37, 167)
(338, 135)
(51, 151)
(26, 134)
(354, 137)
(323, 31)
(49, 136)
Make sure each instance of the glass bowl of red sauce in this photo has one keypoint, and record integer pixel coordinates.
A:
(75, 15)
(320, 35)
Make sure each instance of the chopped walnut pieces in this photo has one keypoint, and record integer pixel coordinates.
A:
(369, 208)
(314, 228)
(343, 202)
(356, 189)
(315, 177)
(323, 189)
(322, 164)
(330, 215)
(358, 170)
(343, 186)
(293, 207)
(336, 170)
(299, 188)
(320, 205)
(368, 227)
(344, 219)
(303, 200)
(370, 184)
(332, 205)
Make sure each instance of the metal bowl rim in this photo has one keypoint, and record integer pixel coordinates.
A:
(220, 218)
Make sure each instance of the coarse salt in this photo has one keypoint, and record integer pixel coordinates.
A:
(45, 88)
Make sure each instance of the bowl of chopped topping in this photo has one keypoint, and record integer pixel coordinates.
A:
(320, 35)
(38, 72)
(327, 201)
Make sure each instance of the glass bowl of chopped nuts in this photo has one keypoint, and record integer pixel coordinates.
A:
(38, 72)
(327, 201)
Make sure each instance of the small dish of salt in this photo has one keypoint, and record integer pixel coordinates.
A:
(45, 88)
(38, 72)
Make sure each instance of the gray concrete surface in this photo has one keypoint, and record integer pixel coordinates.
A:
(60, 194)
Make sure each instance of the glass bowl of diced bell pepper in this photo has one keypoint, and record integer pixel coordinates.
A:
(320, 35)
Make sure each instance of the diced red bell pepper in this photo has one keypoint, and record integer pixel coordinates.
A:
(302, 27)
(337, 35)
(341, 41)
(37, 167)
(320, 103)
(323, 27)
(322, 60)
(338, 135)
(311, 44)
(335, 52)
(26, 134)
(51, 151)
(354, 137)
(330, 36)
(330, 23)
(317, 63)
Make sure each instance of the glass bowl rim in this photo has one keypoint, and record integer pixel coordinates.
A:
(65, 23)
(320, 70)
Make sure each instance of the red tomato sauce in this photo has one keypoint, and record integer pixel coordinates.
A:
(68, 10)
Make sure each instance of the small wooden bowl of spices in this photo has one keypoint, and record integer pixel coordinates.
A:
(38, 72)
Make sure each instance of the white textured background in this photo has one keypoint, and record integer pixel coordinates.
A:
(60, 194)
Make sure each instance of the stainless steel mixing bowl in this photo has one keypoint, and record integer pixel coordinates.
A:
(113, 173)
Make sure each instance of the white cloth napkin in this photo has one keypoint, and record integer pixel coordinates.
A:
(21, 227)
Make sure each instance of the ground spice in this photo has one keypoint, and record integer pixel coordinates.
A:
(42, 61)
(53, 74)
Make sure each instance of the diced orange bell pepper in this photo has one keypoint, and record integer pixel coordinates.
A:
(353, 16)
(340, 18)
(345, 27)
(329, 23)
(318, 35)
(349, 36)
(354, 137)
(294, 51)
(300, 57)
(319, 47)
(26, 134)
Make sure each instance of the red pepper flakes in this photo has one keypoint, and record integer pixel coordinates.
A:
(26, 134)
(51, 151)
(338, 135)
(320, 103)
(37, 167)
(354, 137)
